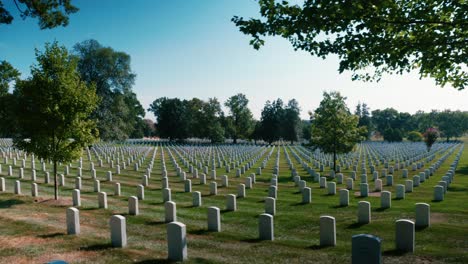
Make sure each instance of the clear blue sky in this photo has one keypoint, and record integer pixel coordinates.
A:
(189, 48)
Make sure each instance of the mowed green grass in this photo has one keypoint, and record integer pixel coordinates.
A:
(33, 230)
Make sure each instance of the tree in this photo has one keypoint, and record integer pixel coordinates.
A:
(392, 124)
(149, 129)
(52, 109)
(256, 132)
(119, 111)
(271, 120)
(334, 129)
(51, 13)
(211, 120)
(362, 111)
(415, 136)
(8, 75)
(306, 130)
(291, 123)
(387, 36)
(451, 123)
(430, 137)
(240, 119)
(171, 119)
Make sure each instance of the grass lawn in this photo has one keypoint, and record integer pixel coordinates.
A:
(33, 229)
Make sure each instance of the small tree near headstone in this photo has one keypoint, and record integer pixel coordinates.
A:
(52, 109)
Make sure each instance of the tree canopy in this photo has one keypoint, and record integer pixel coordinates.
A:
(334, 129)
(50, 13)
(52, 109)
(279, 121)
(119, 113)
(240, 119)
(373, 37)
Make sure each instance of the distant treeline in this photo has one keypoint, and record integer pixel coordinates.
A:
(393, 126)
(178, 119)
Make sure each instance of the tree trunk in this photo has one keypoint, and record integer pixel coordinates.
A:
(334, 160)
(292, 141)
(235, 140)
(55, 181)
(448, 138)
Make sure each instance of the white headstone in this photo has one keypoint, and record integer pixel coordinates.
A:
(170, 211)
(404, 235)
(214, 219)
(327, 231)
(133, 205)
(265, 227)
(364, 212)
(118, 231)
(73, 221)
(176, 241)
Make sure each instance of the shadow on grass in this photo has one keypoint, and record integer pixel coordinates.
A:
(200, 232)
(299, 204)
(355, 225)
(436, 201)
(328, 194)
(420, 228)
(52, 235)
(457, 189)
(156, 261)
(97, 247)
(463, 171)
(338, 206)
(381, 209)
(393, 252)
(156, 203)
(9, 203)
(251, 240)
(89, 209)
(155, 223)
(149, 261)
(317, 247)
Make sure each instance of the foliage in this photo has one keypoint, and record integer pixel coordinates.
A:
(240, 120)
(291, 123)
(362, 111)
(8, 74)
(334, 129)
(393, 134)
(271, 121)
(50, 13)
(279, 121)
(387, 36)
(149, 129)
(52, 109)
(171, 120)
(256, 132)
(120, 113)
(177, 119)
(430, 137)
(391, 124)
(306, 130)
(415, 136)
(452, 123)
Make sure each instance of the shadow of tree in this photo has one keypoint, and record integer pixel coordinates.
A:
(9, 203)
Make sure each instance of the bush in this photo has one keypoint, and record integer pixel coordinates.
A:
(415, 136)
